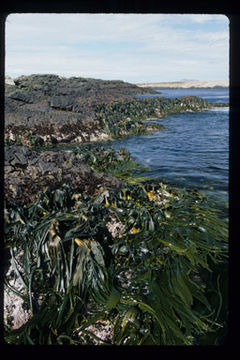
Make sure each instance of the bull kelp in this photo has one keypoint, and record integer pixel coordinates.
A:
(143, 258)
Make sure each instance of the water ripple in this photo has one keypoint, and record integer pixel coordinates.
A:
(193, 146)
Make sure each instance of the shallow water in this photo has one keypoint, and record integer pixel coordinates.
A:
(192, 151)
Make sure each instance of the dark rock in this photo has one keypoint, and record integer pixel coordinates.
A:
(62, 102)
(27, 172)
(33, 161)
(85, 171)
(19, 160)
(46, 167)
(21, 96)
(17, 155)
(37, 100)
(36, 81)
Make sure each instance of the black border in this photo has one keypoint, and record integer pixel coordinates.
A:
(148, 6)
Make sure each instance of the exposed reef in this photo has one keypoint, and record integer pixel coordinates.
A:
(48, 109)
(41, 109)
(93, 253)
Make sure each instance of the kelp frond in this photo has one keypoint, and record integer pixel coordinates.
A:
(152, 283)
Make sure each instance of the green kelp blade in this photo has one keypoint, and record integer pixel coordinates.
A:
(146, 307)
(182, 289)
(113, 299)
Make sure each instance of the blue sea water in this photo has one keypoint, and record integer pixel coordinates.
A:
(193, 149)
(217, 95)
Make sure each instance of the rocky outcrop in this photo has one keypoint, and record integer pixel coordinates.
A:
(60, 109)
(44, 94)
(27, 172)
(43, 109)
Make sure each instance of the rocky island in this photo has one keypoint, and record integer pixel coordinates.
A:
(95, 254)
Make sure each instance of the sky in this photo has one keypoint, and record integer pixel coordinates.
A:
(137, 48)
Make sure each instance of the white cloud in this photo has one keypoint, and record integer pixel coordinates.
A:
(131, 47)
(203, 18)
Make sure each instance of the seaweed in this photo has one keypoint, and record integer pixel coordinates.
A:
(152, 281)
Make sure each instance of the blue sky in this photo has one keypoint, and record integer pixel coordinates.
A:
(136, 48)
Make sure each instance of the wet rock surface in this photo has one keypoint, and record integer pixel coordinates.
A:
(27, 172)
(45, 103)
(51, 109)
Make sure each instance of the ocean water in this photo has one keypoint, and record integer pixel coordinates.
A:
(193, 149)
(217, 95)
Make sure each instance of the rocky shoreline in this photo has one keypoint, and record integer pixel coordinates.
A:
(42, 110)
(67, 205)
(59, 109)
(48, 109)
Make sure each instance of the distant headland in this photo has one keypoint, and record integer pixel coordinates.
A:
(188, 84)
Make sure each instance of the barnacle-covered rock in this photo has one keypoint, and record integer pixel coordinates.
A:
(27, 172)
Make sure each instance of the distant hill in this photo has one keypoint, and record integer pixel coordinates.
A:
(188, 84)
